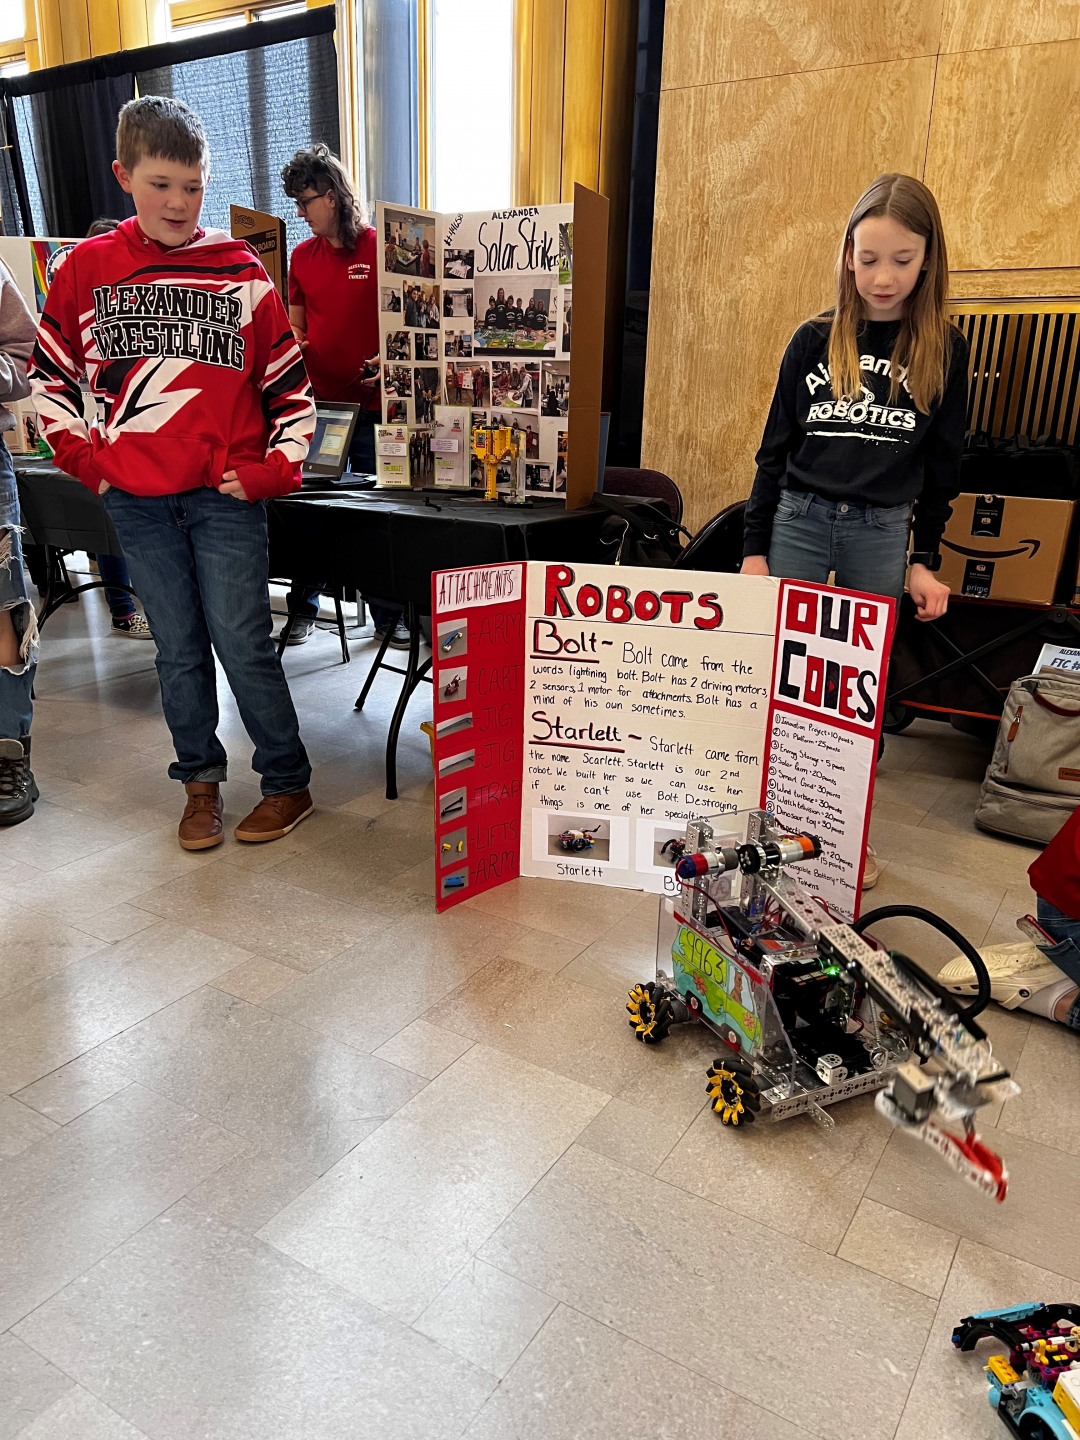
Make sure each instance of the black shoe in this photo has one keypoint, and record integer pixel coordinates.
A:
(18, 790)
(300, 633)
(399, 635)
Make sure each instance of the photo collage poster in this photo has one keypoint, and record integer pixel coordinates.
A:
(475, 311)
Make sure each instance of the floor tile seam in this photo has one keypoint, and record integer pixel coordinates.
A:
(64, 1124)
(258, 1005)
(762, 1225)
(99, 1260)
(6, 996)
(131, 904)
(209, 934)
(1030, 1139)
(498, 1379)
(264, 1005)
(667, 1156)
(682, 1360)
(929, 1337)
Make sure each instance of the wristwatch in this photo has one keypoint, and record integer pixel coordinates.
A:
(930, 558)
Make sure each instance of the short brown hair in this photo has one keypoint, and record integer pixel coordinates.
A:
(155, 126)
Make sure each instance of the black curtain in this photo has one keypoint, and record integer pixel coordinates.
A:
(258, 106)
(13, 201)
(263, 91)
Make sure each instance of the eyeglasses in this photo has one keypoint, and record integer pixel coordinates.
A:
(303, 202)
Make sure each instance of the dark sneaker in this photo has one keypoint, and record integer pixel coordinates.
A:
(18, 790)
(133, 628)
(399, 635)
(275, 816)
(300, 633)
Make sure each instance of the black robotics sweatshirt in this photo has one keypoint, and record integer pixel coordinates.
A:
(867, 451)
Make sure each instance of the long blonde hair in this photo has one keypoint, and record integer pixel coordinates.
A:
(923, 344)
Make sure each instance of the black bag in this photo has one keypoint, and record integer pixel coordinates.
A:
(642, 535)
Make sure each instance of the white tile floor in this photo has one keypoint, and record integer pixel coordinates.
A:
(285, 1157)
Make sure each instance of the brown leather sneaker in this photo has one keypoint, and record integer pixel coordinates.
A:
(275, 816)
(201, 826)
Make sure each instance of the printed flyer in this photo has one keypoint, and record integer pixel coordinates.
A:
(585, 713)
(475, 312)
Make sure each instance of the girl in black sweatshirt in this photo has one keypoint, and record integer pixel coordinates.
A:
(866, 429)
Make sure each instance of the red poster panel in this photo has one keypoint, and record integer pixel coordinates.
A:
(825, 714)
(478, 643)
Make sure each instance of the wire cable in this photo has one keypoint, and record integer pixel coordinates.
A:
(916, 912)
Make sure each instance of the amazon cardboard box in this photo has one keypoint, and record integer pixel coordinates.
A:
(266, 236)
(1006, 547)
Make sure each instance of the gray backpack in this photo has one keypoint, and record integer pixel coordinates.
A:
(1032, 783)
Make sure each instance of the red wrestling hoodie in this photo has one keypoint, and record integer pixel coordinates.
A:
(191, 358)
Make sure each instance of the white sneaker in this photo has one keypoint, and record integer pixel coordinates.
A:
(871, 874)
(1016, 973)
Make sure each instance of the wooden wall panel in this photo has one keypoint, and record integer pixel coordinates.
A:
(1003, 157)
(754, 183)
(709, 41)
(989, 24)
(1013, 284)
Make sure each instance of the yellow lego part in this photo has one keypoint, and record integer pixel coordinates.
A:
(1067, 1396)
(1001, 1368)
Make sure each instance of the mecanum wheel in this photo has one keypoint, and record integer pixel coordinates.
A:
(733, 1091)
(650, 1010)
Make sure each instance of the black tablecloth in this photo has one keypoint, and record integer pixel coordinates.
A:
(60, 511)
(387, 543)
(918, 650)
(384, 543)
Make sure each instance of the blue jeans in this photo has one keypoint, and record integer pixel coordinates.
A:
(1066, 953)
(16, 707)
(114, 571)
(865, 544)
(198, 561)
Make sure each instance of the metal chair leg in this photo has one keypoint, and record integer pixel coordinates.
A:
(345, 656)
(286, 631)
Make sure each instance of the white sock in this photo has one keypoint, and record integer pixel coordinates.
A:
(1044, 1000)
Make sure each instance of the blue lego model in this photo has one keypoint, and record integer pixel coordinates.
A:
(1036, 1390)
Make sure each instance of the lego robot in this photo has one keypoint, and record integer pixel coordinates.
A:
(812, 1011)
(577, 840)
(1036, 1391)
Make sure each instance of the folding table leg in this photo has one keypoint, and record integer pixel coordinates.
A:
(412, 619)
(375, 667)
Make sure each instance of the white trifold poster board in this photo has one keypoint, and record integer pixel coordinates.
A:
(632, 700)
(475, 312)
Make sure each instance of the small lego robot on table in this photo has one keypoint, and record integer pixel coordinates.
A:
(1036, 1390)
(812, 1011)
(577, 840)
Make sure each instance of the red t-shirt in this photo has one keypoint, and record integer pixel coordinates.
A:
(1055, 875)
(339, 289)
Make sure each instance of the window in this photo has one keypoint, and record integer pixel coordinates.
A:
(191, 18)
(472, 104)
(12, 39)
(12, 20)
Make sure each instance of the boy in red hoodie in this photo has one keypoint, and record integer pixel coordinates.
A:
(207, 414)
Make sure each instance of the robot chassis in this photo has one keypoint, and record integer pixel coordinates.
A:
(1036, 1390)
(811, 1011)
